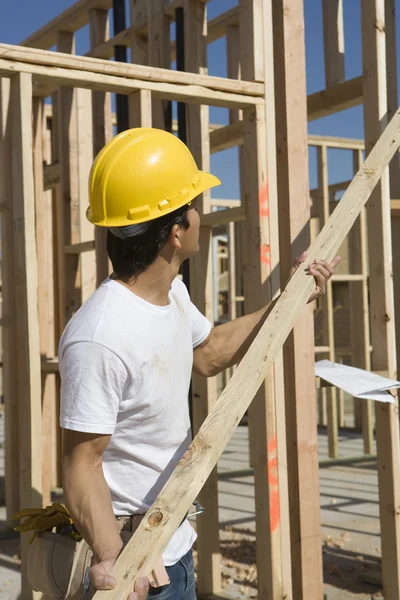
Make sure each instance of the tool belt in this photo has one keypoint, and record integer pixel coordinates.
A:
(58, 566)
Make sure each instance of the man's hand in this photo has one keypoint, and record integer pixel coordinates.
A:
(319, 269)
(101, 580)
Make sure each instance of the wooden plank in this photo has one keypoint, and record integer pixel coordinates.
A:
(332, 13)
(394, 169)
(67, 205)
(44, 237)
(26, 302)
(335, 142)
(9, 314)
(201, 288)
(294, 232)
(226, 137)
(335, 98)
(260, 253)
(381, 294)
(84, 133)
(159, 56)
(359, 306)
(81, 247)
(51, 175)
(93, 66)
(176, 497)
(102, 132)
(328, 337)
(71, 19)
(83, 79)
(222, 217)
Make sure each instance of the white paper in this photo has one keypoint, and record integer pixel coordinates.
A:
(356, 382)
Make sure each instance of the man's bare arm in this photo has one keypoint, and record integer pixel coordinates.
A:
(87, 495)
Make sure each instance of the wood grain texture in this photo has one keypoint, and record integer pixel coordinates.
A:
(332, 12)
(381, 294)
(8, 330)
(204, 391)
(174, 500)
(95, 66)
(25, 277)
(102, 131)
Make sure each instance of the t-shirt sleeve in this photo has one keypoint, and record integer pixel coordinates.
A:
(201, 326)
(92, 383)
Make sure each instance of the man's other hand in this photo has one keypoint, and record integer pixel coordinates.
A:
(321, 270)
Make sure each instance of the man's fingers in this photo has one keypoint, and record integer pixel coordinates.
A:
(300, 259)
(335, 261)
(102, 581)
(141, 588)
(322, 270)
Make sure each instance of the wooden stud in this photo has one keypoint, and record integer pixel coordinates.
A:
(261, 282)
(25, 280)
(159, 56)
(333, 41)
(360, 336)
(204, 390)
(334, 99)
(84, 133)
(381, 294)
(102, 131)
(44, 241)
(301, 412)
(327, 302)
(8, 327)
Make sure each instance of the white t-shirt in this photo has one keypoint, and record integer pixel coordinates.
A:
(125, 368)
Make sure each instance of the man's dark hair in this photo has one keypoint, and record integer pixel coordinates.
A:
(131, 256)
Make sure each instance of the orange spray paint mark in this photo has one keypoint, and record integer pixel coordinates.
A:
(263, 201)
(274, 506)
(265, 254)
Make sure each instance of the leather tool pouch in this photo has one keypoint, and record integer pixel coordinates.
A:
(57, 566)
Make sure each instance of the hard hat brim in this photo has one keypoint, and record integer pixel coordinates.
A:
(204, 182)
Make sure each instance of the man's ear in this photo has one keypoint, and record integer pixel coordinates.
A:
(174, 237)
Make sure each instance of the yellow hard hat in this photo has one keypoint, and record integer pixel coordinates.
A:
(140, 175)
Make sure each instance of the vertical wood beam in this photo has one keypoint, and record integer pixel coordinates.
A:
(360, 336)
(8, 331)
(68, 213)
(86, 233)
(159, 56)
(261, 284)
(44, 240)
(294, 205)
(381, 294)
(332, 12)
(26, 301)
(327, 302)
(394, 167)
(140, 102)
(204, 390)
(102, 130)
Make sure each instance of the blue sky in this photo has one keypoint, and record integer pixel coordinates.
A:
(22, 17)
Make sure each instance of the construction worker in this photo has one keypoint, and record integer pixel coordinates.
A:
(127, 355)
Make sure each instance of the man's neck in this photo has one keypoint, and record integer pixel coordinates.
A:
(154, 284)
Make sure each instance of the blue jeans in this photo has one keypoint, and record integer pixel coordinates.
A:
(182, 586)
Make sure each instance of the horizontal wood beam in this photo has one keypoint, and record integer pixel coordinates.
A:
(62, 62)
(50, 365)
(79, 248)
(335, 98)
(72, 19)
(223, 217)
(336, 142)
(53, 78)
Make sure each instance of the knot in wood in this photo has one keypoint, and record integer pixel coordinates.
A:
(155, 519)
(379, 25)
